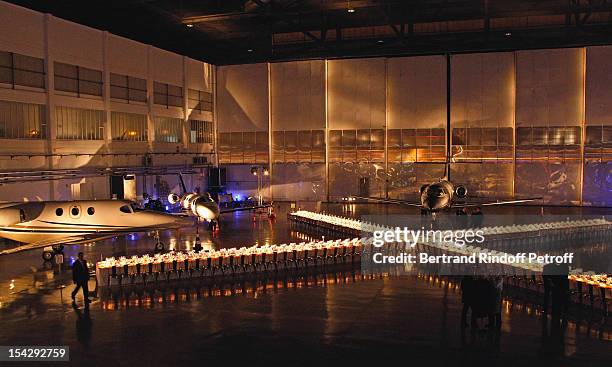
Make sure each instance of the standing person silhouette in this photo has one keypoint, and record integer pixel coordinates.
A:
(80, 276)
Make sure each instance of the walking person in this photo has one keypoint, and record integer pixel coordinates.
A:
(467, 298)
(80, 277)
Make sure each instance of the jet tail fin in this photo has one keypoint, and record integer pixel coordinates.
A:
(183, 187)
(447, 171)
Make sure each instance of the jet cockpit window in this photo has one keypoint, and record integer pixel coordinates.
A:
(126, 209)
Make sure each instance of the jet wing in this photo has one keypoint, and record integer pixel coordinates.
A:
(245, 208)
(506, 202)
(390, 201)
(41, 244)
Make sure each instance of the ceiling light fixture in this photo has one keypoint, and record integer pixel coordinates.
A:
(250, 50)
(190, 25)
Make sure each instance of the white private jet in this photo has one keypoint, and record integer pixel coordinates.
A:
(55, 223)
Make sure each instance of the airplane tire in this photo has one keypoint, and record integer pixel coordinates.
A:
(159, 247)
(48, 255)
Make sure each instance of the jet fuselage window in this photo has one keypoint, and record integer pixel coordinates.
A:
(74, 211)
(91, 210)
(59, 212)
(126, 209)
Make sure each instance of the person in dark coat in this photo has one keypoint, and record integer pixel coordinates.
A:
(80, 277)
(467, 298)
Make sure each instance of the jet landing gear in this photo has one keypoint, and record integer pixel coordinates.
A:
(197, 247)
(159, 245)
(49, 252)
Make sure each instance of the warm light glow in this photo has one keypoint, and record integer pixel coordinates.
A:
(190, 25)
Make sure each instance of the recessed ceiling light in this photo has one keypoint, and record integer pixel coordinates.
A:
(508, 34)
(380, 41)
(350, 10)
(250, 50)
(190, 25)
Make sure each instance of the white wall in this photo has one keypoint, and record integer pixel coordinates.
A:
(35, 34)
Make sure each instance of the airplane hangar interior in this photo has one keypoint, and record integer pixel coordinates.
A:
(305, 182)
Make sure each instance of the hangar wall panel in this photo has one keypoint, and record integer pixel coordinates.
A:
(22, 30)
(549, 117)
(416, 112)
(297, 94)
(417, 92)
(356, 103)
(127, 57)
(597, 189)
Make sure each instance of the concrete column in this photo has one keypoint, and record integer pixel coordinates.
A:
(50, 108)
(150, 125)
(270, 163)
(185, 107)
(108, 135)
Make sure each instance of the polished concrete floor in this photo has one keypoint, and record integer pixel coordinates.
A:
(342, 318)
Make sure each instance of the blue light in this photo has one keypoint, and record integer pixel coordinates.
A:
(167, 208)
(72, 260)
(238, 198)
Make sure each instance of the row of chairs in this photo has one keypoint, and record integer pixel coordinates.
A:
(233, 261)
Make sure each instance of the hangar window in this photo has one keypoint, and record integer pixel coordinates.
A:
(78, 80)
(79, 124)
(168, 129)
(91, 210)
(167, 95)
(129, 126)
(16, 69)
(199, 100)
(22, 121)
(126, 209)
(128, 89)
(59, 212)
(201, 131)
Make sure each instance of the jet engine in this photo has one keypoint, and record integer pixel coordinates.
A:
(201, 206)
(10, 216)
(173, 198)
(423, 188)
(461, 191)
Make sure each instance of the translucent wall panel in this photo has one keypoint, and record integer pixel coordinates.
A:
(482, 106)
(416, 103)
(363, 179)
(549, 87)
(486, 179)
(549, 107)
(298, 95)
(405, 180)
(556, 182)
(299, 182)
(356, 94)
(597, 188)
(242, 95)
(417, 92)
